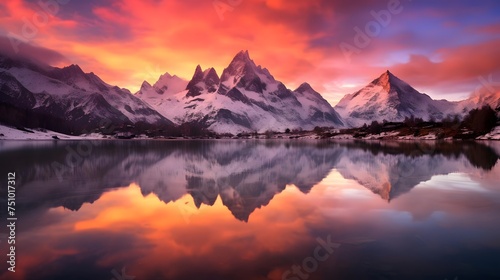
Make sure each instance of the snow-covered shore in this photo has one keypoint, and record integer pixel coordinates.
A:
(12, 133)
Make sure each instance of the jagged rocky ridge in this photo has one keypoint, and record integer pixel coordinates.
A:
(245, 98)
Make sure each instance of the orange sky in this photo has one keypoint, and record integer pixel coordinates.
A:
(439, 51)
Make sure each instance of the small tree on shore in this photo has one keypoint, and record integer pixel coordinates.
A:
(375, 127)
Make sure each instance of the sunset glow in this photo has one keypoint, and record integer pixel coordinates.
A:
(440, 50)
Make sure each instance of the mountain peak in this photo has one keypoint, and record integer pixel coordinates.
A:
(387, 80)
(243, 72)
(387, 75)
(304, 87)
(165, 76)
(73, 69)
(198, 70)
(145, 85)
(197, 76)
(210, 73)
(74, 75)
(72, 66)
(243, 55)
(242, 59)
(200, 74)
(389, 98)
(202, 80)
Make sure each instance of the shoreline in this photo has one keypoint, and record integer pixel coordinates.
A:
(16, 134)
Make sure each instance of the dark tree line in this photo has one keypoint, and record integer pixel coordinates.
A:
(480, 121)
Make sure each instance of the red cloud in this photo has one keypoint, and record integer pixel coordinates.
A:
(122, 41)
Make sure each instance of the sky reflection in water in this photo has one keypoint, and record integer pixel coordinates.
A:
(233, 210)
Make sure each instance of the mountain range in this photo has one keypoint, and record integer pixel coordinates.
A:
(244, 98)
(68, 100)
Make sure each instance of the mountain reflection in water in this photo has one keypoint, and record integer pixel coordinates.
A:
(246, 175)
(364, 194)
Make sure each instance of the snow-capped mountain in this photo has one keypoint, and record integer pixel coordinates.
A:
(389, 98)
(245, 98)
(315, 106)
(68, 100)
(173, 106)
(166, 86)
(479, 98)
(203, 81)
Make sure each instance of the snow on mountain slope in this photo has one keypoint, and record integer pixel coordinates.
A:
(69, 100)
(245, 98)
(315, 106)
(171, 103)
(165, 87)
(168, 84)
(389, 98)
(74, 76)
(132, 107)
(479, 98)
(203, 81)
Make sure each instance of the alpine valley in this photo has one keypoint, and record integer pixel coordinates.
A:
(244, 98)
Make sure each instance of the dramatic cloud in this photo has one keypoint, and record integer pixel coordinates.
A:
(337, 46)
(12, 47)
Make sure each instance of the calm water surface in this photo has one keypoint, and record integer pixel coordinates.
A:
(254, 210)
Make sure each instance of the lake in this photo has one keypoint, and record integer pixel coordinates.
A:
(253, 209)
